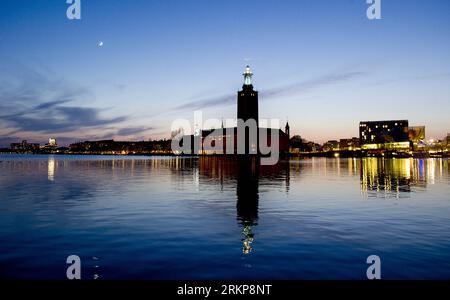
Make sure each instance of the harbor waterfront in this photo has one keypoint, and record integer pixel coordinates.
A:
(148, 217)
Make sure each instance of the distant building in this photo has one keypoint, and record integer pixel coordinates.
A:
(296, 144)
(416, 133)
(52, 142)
(349, 144)
(51, 146)
(384, 135)
(312, 147)
(331, 146)
(124, 148)
(25, 146)
(417, 138)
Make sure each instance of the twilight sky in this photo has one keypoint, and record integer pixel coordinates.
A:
(320, 63)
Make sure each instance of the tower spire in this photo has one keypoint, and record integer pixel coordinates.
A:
(287, 129)
(248, 76)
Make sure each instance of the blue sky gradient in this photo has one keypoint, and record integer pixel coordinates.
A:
(322, 64)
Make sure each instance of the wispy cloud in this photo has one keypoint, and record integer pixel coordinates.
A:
(294, 89)
(133, 130)
(301, 88)
(50, 104)
(35, 103)
(58, 119)
(207, 103)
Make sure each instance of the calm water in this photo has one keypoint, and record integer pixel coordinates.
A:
(211, 218)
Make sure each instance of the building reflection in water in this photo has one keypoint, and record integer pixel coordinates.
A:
(51, 168)
(396, 177)
(245, 175)
(248, 199)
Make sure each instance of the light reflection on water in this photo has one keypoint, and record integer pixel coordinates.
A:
(215, 218)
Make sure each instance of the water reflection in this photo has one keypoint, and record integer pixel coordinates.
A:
(51, 168)
(386, 176)
(244, 175)
(378, 177)
(248, 199)
(397, 177)
(159, 211)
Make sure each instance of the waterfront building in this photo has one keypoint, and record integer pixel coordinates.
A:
(25, 146)
(51, 146)
(331, 146)
(384, 135)
(447, 142)
(224, 141)
(349, 144)
(52, 142)
(417, 137)
(124, 148)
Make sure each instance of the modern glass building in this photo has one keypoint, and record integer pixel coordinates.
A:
(384, 135)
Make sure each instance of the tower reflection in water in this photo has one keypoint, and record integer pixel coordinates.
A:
(245, 174)
(248, 199)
